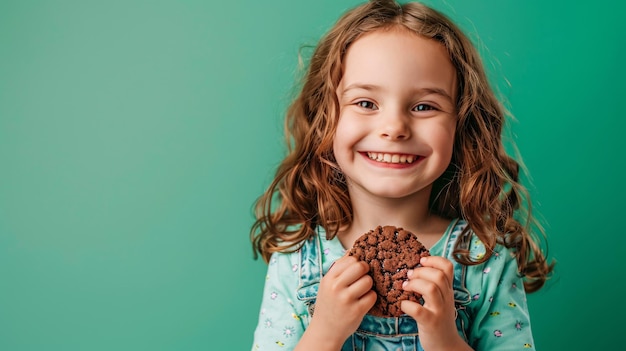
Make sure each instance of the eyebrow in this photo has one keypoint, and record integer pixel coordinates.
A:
(355, 86)
(373, 87)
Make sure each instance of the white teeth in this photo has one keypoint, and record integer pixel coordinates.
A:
(391, 158)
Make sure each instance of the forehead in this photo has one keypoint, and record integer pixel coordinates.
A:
(398, 58)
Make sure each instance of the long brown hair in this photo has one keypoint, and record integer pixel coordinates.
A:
(481, 184)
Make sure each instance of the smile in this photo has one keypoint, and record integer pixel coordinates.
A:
(392, 158)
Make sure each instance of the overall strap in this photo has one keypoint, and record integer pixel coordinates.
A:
(461, 294)
(310, 269)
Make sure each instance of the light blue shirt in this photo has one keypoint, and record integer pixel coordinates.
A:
(498, 314)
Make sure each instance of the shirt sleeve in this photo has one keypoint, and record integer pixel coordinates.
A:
(280, 324)
(500, 313)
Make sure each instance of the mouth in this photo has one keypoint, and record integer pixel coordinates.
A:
(392, 158)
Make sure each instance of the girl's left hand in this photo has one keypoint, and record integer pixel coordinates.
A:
(436, 318)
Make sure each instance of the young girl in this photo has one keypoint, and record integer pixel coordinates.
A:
(396, 125)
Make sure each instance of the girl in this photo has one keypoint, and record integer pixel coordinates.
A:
(396, 125)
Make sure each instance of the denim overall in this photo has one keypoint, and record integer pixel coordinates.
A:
(384, 333)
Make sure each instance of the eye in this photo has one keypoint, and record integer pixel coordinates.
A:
(424, 107)
(366, 105)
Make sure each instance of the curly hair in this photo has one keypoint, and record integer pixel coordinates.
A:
(481, 184)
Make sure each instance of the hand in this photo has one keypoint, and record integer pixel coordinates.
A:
(436, 318)
(344, 296)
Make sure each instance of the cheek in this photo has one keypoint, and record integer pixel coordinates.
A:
(342, 134)
(335, 150)
(449, 138)
(343, 141)
(339, 148)
(445, 139)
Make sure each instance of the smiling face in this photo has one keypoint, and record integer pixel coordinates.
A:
(397, 119)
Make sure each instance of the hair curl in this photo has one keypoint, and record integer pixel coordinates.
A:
(481, 184)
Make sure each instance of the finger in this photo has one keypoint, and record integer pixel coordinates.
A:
(368, 300)
(415, 310)
(440, 263)
(432, 274)
(347, 270)
(431, 292)
(361, 286)
(354, 272)
(340, 264)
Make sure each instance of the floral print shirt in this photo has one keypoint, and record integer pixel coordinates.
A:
(499, 318)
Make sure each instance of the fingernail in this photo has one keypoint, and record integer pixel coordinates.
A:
(409, 273)
(405, 283)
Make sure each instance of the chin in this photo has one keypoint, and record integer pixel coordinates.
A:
(393, 193)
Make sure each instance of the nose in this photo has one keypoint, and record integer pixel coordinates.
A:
(395, 125)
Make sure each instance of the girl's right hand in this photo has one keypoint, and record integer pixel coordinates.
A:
(344, 296)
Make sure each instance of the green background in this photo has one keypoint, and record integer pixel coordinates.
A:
(135, 136)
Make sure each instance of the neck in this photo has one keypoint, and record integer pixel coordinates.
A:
(411, 213)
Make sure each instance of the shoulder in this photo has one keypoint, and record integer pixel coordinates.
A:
(283, 260)
(461, 230)
(320, 251)
(311, 252)
(282, 272)
(332, 248)
(460, 235)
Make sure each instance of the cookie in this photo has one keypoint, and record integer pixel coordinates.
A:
(390, 253)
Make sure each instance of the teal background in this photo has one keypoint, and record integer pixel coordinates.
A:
(135, 136)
